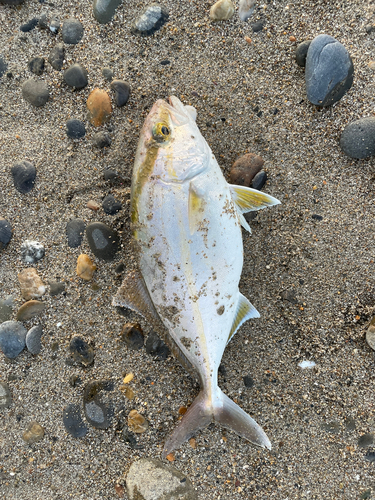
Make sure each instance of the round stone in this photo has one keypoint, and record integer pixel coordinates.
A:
(36, 65)
(110, 175)
(222, 10)
(34, 433)
(76, 76)
(110, 205)
(258, 26)
(75, 229)
(75, 129)
(5, 395)
(301, 53)
(23, 174)
(107, 73)
(99, 107)
(151, 19)
(365, 440)
(32, 251)
(5, 233)
(245, 168)
(30, 309)
(35, 92)
(132, 335)
(32, 287)
(358, 138)
(101, 139)
(104, 10)
(122, 92)
(56, 56)
(81, 351)
(12, 338)
(72, 31)
(73, 421)
(85, 267)
(103, 241)
(33, 339)
(248, 381)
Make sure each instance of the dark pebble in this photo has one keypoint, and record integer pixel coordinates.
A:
(35, 92)
(108, 74)
(132, 335)
(5, 233)
(110, 205)
(129, 437)
(11, 2)
(370, 456)
(75, 129)
(258, 26)
(36, 65)
(316, 217)
(104, 10)
(56, 56)
(365, 440)
(156, 347)
(32, 251)
(12, 338)
(24, 174)
(30, 25)
(289, 295)
(76, 76)
(33, 339)
(120, 268)
(350, 423)
(6, 309)
(101, 140)
(332, 427)
(43, 21)
(56, 288)
(54, 25)
(3, 66)
(358, 138)
(151, 19)
(96, 412)
(73, 421)
(81, 351)
(72, 31)
(248, 381)
(74, 380)
(74, 230)
(165, 62)
(259, 180)
(122, 92)
(110, 175)
(301, 53)
(5, 395)
(103, 241)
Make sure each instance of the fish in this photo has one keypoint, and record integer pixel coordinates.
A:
(186, 224)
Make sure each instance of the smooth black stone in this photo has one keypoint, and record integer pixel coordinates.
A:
(165, 62)
(36, 65)
(107, 73)
(133, 336)
(97, 413)
(3, 66)
(358, 138)
(156, 347)
(120, 268)
(259, 180)
(316, 217)
(5, 233)
(72, 31)
(73, 421)
(101, 140)
(12, 338)
(76, 76)
(110, 175)
(35, 92)
(56, 288)
(33, 339)
(122, 92)
(151, 19)
(248, 381)
(81, 351)
(103, 241)
(30, 25)
(110, 205)
(258, 26)
(75, 129)
(56, 57)
(301, 53)
(24, 174)
(75, 229)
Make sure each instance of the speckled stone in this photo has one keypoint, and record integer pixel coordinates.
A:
(81, 351)
(33, 433)
(6, 308)
(5, 395)
(85, 267)
(12, 338)
(73, 421)
(222, 10)
(365, 440)
(108, 74)
(75, 230)
(35, 92)
(122, 92)
(103, 241)
(75, 129)
(36, 65)
(32, 287)
(76, 76)
(32, 251)
(24, 174)
(5, 233)
(72, 31)
(104, 10)
(358, 138)
(56, 57)
(101, 139)
(33, 339)
(99, 107)
(151, 19)
(30, 309)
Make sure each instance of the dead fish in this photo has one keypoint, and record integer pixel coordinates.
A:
(187, 230)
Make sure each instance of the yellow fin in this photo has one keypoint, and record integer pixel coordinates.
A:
(248, 199)
(245, 310)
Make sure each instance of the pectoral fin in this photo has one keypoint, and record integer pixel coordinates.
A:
(245, 310)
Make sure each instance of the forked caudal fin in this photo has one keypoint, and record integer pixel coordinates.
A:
(225, 412)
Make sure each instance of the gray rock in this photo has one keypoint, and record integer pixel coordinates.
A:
(72, 31)
(54, 25)
(301, 53)
(110, 205)
(76, 76)
(258, 25)
(107, 73)
(24, 174)
(5, 233)
(33, 339)
(29, 25)
(96, 412)
(36, 65)
(358, 138)
(103, 241)
(73, 421)
(35, 92)
(104, 10)
(3, 66)
(81, 351)
(5, 395)
(12, 338)
(132, 335)
(151, 479)
(6, 309)
(75, 129)
(43, 21)
(156, 347)
(365, 440)
(56, 56)
(32, 251)
(122, 92)
(329, 71)
(151, 19)
(11, 2)
(56, 287)
(101, 139)
(75, 229)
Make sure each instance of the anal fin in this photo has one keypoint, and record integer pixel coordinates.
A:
(245, 310)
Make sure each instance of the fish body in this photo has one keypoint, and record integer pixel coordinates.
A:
(187, 230)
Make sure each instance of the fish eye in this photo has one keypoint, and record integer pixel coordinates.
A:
(160, 132)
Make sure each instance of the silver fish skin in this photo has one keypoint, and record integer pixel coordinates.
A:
(187, 232)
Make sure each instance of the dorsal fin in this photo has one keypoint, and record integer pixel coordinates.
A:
(245, 310)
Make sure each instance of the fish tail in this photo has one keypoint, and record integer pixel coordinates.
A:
(224, 411)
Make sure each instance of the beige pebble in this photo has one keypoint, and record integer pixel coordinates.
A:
(99, 107)
(128, 378)
(30, 309)
(85, 267)
(370, 334)
(33, 433)
(93, 205)
(222, 10)
(137, 422)
(371, 65)
(32, 287)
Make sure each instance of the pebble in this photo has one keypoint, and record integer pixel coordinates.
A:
(85, 267)
(32, 287)
(35, 92)
(103, 241)
(76, 76)
(33, 339)
(24, 174)
(128, 437)
(33, 433)
(151, 19)
(56, 288)
(358, 138)
(56, 57)
(30, 309)
(30, 25)
(258, 26)
(99, 107)
(12, 2)
(96, 412)
(156, 347)
(107, 73)
(122, 92)
(36, 65)
(332, 427)
(104, 10)
(110, 175)
(5, 395)
(12, 338)
(81, 351)
(72, 31)
(74, 230)
(32, 251)
(301, 53)
(329, 71)
(54, 25)
(93, 205)
(6, 309)
(222, 10)
(73, 422)
(3, 66)
(370, 334)
(151, 479)
(101, 139)
(306, 364)
(259, 180)
(370, 457)
(75, 129)
(137, 422)
(5, 233)
(245, 168)
(132, 335)
(43, 20)
(245, 9)
(110, 205)
(365, 440)
(248, 381)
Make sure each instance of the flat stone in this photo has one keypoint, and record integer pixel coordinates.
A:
(99, 107)
(75, 129)
(301, 53)
(75, 230)
(5, 395)
(259, 180)
(56, 57)
(358, 138)
(96, 412)
(248, 381)
(5, 233)
(132, 335)
(32, 287)
(56, 288)
(76, 76)
(33, 433)
(104, 10)
(103, 241)
(81, 351)
(73, 421)
(24, 174)
(72, 31)
(101, 139)
(35, 92)
(85, 267)
(222, 10)
(6, 309)
(33, 339)
(36, 65)
(30, 309)
(12, 2)
(151, 19)
(12, 338)
(122, 92)
(245, 9)
(29, 25)
(110, 205)
(151, 479)
(156, 347)
(258, 25)
(245, 168)
(32, 251)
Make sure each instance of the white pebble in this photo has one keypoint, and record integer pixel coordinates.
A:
(306, 364)
(245, 9)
